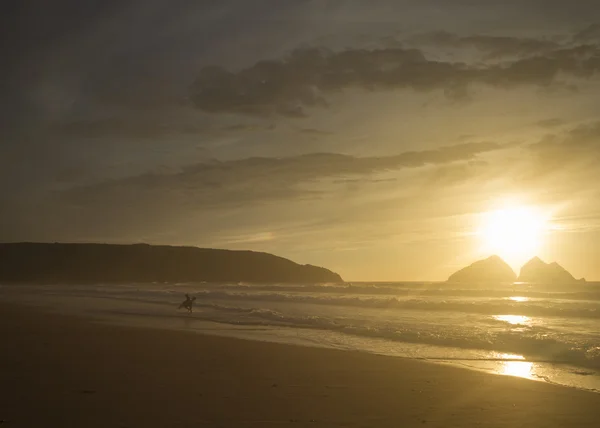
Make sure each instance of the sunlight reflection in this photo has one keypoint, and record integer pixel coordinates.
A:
(519, 299)
(504, 356)
(513, 319)
(517, 368)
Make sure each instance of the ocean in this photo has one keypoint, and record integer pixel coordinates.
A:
(536, 331)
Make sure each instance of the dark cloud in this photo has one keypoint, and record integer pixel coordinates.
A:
(580, 144)
(249, 127)
(315, 132)
(558, 166)
(131, 126)
(68, 58)
(493, 47)
(258, 179)
(551, 123)
(33, 36)
(580, 61)
(565, 161)
(191, 196)
(588, 34)
(458, 173)
(307, 76)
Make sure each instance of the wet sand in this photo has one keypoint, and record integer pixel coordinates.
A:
(65, 371)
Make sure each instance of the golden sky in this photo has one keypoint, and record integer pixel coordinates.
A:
(373, 138)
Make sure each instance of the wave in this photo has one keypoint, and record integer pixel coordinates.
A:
(533, 308)
(575, 292)
(573, 341)
(489, 306)
(590, 292)
(536, 343)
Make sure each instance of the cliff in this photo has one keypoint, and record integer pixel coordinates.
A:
(492, 269)
(90, 263)
(535, 270)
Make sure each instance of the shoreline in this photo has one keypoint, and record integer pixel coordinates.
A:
(70, 371)
(488, 362)
(512, 366)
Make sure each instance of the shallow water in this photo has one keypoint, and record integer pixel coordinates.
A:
(539, 332)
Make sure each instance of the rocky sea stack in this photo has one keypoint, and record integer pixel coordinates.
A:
(492, 269)
(536, 270)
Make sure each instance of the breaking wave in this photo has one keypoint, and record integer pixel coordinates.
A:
(557, 326)
(535, 343)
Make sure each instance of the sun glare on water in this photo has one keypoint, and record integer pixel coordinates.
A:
(515, 233)
(519, 299)
(513, 319)
(515, 365)
(517, 368)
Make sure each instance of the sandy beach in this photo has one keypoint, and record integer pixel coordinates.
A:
(64, 371)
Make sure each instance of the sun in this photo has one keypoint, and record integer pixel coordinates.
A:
(515, 233)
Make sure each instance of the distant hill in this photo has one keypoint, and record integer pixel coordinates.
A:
(535, 270)
(492, 269)
(90, 263)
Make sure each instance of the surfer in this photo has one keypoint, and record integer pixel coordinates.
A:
(187, 303)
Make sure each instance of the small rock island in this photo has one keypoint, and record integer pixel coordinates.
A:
(98, 263)
(536, 270)
(492, 269)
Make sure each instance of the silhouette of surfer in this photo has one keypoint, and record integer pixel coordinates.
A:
(187, 303)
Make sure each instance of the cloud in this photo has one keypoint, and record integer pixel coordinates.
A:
(238, 182)
(551, 123)
(458, 173)
(132, 126)
(563, 162)
(561, 165)
(493, 47)
(305, 78)
(580, 144)
(589, 34)
(585, 136)
(315, 132)
(249, 127)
